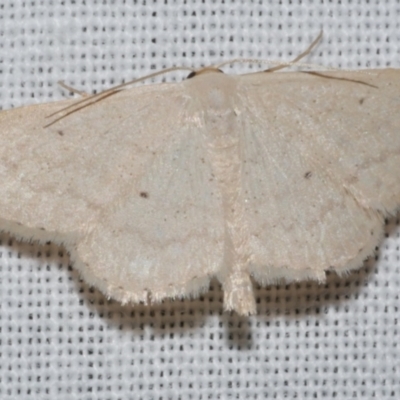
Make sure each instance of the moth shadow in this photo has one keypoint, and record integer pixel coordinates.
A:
(276, 305)
(31, 253)
(204, 316)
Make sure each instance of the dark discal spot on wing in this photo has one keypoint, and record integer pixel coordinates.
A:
(60, 132)
(361, 101)
(145, 195)
(308, 175)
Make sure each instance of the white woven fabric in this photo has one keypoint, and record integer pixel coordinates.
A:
(60, 339)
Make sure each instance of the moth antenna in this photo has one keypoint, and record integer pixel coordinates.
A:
(279, 64)
(72, 89)
(305, 53)
(94, 98)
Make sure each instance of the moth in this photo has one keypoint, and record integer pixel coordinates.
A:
(157, 189)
